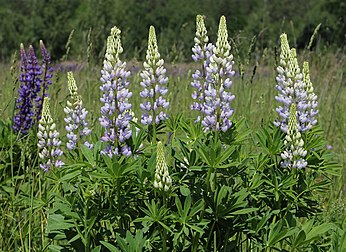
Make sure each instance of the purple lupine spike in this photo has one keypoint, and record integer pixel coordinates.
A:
(47, 71)
(115, 112)
(154, 83)
(30, 87)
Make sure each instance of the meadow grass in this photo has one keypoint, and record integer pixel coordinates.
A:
(253, 85)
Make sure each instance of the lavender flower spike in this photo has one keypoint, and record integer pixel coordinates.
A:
(216, 107)
(294, 88)
(154, 83)
(115, 116)
(311, 99)
(77, 125)
(202, 51)
(48, 140)
(293, 156)
(28, 91)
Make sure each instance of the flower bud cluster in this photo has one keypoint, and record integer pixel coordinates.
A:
(154, 84)
(162, 180)
(293, 156)
(48, 140)
(294, 87)
(115, 116)
(213, 82)
(77, 125)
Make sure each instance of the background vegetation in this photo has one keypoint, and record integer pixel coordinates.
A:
(28, 21)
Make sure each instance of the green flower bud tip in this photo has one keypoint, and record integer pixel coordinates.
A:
(46, 116)
(152, 52)
(222, 45)
(306, 77)
(114, 47)
(285, 48)
(162, 179)
(201, 32)
(72, 87)
(292, 123)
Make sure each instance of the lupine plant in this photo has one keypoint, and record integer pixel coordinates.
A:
(224, 186)
(34, 79)
(115, 112)
(48, 140)
(77, 125)
(212, 92)
(154, 84)
(294, 87)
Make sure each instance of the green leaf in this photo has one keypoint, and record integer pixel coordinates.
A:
(184, 190)
(244, 211)
(315, 232)
(88, 154)
(111, 247)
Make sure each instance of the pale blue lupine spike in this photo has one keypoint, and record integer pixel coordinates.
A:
(293, 156)
(115, 117)
(154, 84)
(48, 140)
(76, 123)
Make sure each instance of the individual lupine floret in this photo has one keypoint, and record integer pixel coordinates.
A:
(162, 180)
(202, 51)
(293, 88)
(48, 140)
(311, 99)
(217, 99)
(28, 91)
(77, 125)
(154, 83)
(115, 117)
(293, 156)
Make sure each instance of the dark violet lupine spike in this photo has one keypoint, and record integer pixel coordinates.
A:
(28, 91)
(116, 108)
(76, 123)
(154, 84)
(47, 71)
(48, 140)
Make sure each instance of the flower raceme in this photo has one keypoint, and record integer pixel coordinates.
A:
(154, 84)
(48, 140)
(293, 156)
(294, 88)
(77, 125)
(34, 79)
(115, 115)
(162, 180)
(213, 82)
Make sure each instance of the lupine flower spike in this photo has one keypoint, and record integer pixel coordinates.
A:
(294, 88)
(162, 180)
(48, 140)
(77, 125)
(293, 156)
(217, 99)
(47, 76)
(202, 51)
(154, 83)
(28, 91)
(311, 98)
(115, 117)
